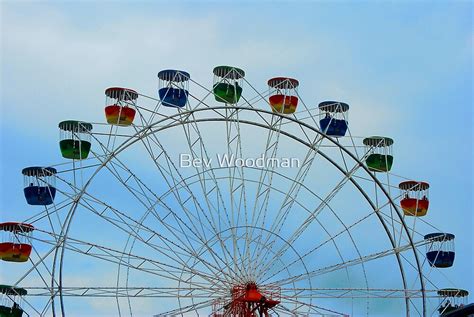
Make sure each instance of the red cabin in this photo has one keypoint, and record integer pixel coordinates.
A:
(15, 246)
(118, 110)
(283, 93)
(414, 200)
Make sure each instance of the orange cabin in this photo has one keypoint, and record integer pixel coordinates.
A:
(15, 252)
(415, 198)
(283, 104)
(283, 94)
(119, 115)
(15, 247)
(118, 110)
(414, 207)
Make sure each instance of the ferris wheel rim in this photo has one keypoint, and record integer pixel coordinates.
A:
(138, 135)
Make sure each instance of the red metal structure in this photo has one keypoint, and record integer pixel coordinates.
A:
(248, 301)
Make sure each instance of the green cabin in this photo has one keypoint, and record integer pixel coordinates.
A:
(75, 139)
(227, 86)
(379, 149)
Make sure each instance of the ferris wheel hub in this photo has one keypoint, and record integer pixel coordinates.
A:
(248, 300)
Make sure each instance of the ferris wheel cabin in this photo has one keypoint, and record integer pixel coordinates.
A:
(11, 301)
(227, 86)
(15, 246)
(380, 158)
(440, 249)
(173, 87)
(414, 200)
(453, 303)
(334, 122)
(39, 185)
(75, 139)
(283, 95)
(118, 103)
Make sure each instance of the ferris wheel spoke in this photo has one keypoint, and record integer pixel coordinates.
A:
(331, 239)
(280, 219)
(149, 204)
(397, 221)
(133, 292)
(120, 215)
(265, 178)
(352, 262)
(41, 262)
(303, 207)
(124, 219)
(311, 307)
(236, 174)
(35, 264)
(255, 237)
(266, 175)
(324, 203)
(292, 194)
(392, 211)
(198, 149)
(172, 180)
(162, 269)
(426, 276)
(218, 235)
(48, 212)
(173, 183)
(288, 202)
(171, 249)
(321, 293)
(48, 305)
(186, 225)
(268, 274)
(391, 218)
(187, 309)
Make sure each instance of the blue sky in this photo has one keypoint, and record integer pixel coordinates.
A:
(404, 67)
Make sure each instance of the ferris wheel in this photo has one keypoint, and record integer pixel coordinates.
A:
(228, 200)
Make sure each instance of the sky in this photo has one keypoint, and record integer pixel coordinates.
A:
(404, 67)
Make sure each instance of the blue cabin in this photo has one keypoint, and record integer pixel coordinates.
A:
(440, 249)
(334, 123)
(173, 97)
(173, 87)
(39, 188)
